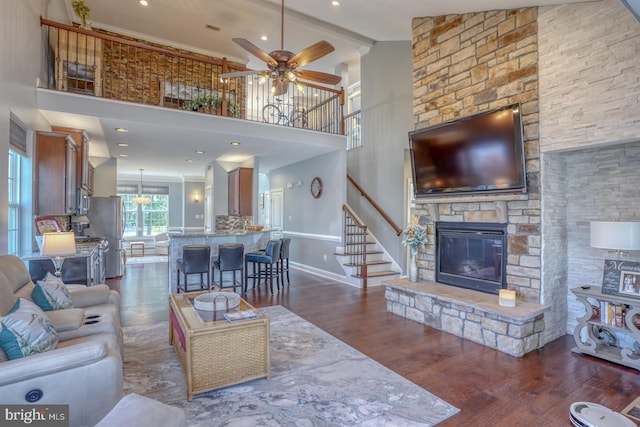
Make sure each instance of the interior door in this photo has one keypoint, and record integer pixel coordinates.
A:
(276, 210)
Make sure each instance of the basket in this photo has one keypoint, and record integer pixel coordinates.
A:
(213, 305)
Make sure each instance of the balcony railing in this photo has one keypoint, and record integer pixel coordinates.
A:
(106, 65)
(352, 130)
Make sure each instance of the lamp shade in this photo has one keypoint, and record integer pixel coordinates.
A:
(55, 244)
(624, 236)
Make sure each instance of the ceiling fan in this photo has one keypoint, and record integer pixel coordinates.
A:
(283, 65)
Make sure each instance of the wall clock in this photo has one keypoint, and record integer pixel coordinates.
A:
(316, 187)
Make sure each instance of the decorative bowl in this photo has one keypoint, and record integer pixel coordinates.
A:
(255, 227)
(217, 301)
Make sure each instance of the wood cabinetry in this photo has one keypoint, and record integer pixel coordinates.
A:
(55, 179)
(78, 63)
(240, 191)
(81, 138)
(610, 327)
(92, 171)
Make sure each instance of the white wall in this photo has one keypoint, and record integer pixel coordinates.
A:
(21, 57)
(387, 117)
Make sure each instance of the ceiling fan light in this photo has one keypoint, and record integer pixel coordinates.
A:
(291, 76)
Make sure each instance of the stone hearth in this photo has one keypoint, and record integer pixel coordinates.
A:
(469, 314)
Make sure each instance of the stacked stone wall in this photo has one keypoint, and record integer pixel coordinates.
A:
(464, 65)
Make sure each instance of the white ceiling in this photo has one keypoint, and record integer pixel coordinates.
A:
(162, 149)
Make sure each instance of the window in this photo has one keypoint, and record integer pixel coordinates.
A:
(13, 231)
(145, 220)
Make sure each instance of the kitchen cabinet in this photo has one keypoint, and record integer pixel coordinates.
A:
(240, 191)
(81, 138)
(92, 171)
(55, 171)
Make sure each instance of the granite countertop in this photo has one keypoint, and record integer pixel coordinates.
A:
(218, 233)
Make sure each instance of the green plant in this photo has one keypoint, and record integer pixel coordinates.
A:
(82, 10)
(210, 103)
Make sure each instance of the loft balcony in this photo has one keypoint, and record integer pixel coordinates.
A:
(99, 64)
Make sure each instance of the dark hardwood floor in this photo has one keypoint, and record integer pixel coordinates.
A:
(490, 388)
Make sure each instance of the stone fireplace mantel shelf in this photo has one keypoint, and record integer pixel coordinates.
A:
(522, 312)
(469, 314)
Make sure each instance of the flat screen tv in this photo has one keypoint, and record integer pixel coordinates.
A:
(478, 154)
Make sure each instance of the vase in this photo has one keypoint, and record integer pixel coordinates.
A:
(413, 269)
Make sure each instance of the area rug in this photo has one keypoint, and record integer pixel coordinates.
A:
(316, 380)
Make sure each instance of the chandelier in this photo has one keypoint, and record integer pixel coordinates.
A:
(140, 199)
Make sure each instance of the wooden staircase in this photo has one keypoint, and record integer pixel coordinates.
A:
(363, 259)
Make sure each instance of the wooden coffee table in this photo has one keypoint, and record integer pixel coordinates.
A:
(217, 353)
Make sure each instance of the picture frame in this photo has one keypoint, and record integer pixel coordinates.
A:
(632, 410)
(621, 278)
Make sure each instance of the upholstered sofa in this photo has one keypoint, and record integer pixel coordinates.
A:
(82, 368)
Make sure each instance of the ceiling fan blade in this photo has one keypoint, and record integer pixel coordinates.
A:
(243, 73)
(317, 76)
(255, 51)
(310, 54)
(279, 87)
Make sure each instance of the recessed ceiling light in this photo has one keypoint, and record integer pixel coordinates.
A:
(335, 3)
(235, 142)
(122, 130)
(189, 160)
(144, 2)
(264, 38)
(199, 152)
(122, 144)
(124, 155)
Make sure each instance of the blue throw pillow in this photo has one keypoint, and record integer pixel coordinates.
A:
(26, 330)
(51, 295)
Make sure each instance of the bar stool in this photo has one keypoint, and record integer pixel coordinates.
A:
(196, 259)
(269, 257)
(229, 259)
(284, 258)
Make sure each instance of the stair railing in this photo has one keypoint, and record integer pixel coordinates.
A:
(378, 209)
(355, 243)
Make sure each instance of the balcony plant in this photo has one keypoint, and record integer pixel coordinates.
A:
(82, 10)
(211, 104)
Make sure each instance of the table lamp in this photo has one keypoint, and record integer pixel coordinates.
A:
(618, 237)
(58, 246)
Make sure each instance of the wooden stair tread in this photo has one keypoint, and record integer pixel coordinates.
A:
(359, 253)
(376, 274)
(359, 243)
(368, 263)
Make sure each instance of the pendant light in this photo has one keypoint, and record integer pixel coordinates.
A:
(140, 200)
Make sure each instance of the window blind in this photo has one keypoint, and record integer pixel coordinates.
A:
(17, 138)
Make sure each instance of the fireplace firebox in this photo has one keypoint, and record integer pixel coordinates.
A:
(471, 255)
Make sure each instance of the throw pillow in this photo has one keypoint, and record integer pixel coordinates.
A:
(51, 295)
(26, 330)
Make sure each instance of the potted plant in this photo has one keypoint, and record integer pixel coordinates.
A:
(82, 10)
(211, 104)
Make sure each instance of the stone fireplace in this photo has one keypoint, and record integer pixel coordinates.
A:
(573, 69)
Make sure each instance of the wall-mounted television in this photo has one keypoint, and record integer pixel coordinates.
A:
(483, 153)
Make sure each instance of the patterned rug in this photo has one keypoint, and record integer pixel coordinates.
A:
(316, 380)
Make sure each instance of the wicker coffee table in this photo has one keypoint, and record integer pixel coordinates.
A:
(217, 353)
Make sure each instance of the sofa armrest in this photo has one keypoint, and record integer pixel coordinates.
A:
(94, 295)
(51, 361)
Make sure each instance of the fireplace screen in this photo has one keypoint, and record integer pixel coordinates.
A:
(471, 255)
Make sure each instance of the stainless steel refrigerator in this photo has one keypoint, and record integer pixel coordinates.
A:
(105, 220)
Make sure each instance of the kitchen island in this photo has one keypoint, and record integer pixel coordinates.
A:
(252, 240)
